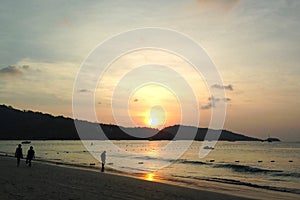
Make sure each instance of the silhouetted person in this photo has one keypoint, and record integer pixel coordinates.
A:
(103, 158)
(19, 154)
(30, 156)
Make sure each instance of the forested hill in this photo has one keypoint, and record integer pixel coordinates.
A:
(28, 125)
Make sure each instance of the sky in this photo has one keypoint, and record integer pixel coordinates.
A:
(253, 44)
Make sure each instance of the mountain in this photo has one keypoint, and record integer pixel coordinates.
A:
(200, 134)
(28, 125)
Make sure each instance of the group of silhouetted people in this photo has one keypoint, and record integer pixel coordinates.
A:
(19, 155)
(30, 156)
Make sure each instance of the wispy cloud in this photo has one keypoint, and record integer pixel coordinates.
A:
(218, 99)
(225, 87)
(13, 71)
(226, 99)
(84, 91)
(212, 102)
(31, 79)
(26, 67)
(208, 106)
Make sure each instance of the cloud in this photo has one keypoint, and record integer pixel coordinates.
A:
(208, 106)
(10, 71)
(13, 71)
(212, 102)
(213, 99)
(219, 99)
(84, 90)
(26, 67)
(225, 87)
(226, 99)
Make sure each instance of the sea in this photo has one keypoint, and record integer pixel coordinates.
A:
(267, 165)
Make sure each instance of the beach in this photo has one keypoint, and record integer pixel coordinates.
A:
(50, 181)
(45, 181)
(65, 170)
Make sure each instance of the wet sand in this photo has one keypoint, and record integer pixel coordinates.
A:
(46, 181)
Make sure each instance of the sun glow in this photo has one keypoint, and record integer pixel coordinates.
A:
(156, 117)
(150, 177)
(153, 106)
(153, 121)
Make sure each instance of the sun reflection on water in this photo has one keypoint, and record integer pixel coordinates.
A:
(150, 177)
(153, 153)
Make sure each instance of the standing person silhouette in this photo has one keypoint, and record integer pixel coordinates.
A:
(19, 154)
(30, 156)
(103, 158)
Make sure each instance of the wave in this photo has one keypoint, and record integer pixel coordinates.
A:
(154, 158)
(288, 174)
(144, 158)
(195, 162)
(245, 168)
(237, 182)
(234, 167)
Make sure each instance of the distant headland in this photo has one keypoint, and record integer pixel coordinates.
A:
(271, 139)
(28, 125)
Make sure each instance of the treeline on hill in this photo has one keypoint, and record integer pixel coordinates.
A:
(28, 125)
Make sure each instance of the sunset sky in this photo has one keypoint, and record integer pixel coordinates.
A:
(254, 45)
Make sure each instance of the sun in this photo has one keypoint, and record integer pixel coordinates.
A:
(156, 117)
(153, 122)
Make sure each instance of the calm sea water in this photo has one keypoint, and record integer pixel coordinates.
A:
(270, 166)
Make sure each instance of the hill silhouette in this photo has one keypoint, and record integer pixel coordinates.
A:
(28, 125)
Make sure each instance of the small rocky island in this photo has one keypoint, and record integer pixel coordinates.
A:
(271, 139)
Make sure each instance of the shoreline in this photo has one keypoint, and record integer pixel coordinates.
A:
(57, 182)
(212, 189)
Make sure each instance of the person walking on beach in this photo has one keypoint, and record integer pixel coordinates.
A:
(19, 154)
(103, 158)
(30, 156)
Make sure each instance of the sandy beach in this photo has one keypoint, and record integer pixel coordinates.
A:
(44, 181)
(50, 181)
